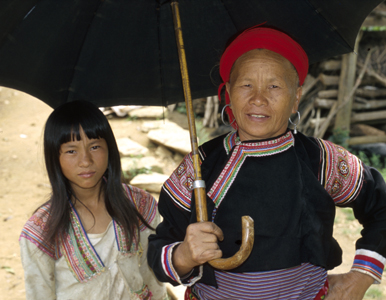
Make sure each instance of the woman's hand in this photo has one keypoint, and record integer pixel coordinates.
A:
(200, 245)
(349, 286)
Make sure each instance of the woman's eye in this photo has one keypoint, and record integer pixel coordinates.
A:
(274, 86)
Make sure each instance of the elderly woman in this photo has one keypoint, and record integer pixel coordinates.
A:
(287, 182)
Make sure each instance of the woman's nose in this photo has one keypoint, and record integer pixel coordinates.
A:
(259, 98)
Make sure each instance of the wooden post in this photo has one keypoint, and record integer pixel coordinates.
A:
(341, 129)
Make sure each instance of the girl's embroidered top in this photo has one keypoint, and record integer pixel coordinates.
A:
(290, 186)
(83, 260)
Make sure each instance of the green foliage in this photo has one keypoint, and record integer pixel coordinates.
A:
(181, 108)
(374, 292)
(130, 174)
(383, 172)
(348, 212)
(340, 137)
(132, 118)
(202, 134)
(373, 161)
(373, 28)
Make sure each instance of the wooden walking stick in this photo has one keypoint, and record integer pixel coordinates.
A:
(199, 184)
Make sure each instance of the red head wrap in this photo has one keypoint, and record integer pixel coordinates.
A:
(259, 37)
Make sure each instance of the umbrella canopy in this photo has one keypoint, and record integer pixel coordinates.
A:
(124, 52)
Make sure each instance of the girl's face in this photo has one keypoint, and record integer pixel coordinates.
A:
(84, 162)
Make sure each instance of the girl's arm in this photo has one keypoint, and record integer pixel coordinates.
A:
(157, 288)
(39, 271)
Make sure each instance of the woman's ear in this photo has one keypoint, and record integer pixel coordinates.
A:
(298, 96)
(228, 87)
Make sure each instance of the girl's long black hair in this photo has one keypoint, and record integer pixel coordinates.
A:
(63, 126)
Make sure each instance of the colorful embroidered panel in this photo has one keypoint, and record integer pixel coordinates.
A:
(82, 259)
(369, 262)
(340, 173)
(240, 152)
(180, 184)
(33, 231)
(144, 202)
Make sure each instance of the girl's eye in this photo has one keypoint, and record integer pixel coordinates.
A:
(95, 147)
(70, 151)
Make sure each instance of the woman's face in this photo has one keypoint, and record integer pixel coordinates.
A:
(263, 91)
(84, 162)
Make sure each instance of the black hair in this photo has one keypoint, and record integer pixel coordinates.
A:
(62, 126)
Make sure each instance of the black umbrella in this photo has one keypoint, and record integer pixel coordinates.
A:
(115, 52)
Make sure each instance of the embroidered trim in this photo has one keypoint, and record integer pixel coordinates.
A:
(122, 242)
(144, 202)
(369, 262)
(180, 184)
(33, 231)
(166, 261)
(341, 173)
(240, 153)
(82, 259)
(144, 293)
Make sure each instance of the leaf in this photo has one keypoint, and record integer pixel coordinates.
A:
(8, 269)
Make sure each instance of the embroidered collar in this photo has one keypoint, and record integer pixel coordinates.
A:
(238, 152)
(81, 256)
(265, 147)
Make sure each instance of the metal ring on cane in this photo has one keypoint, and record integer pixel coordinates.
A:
(222, 116)
(295, 124)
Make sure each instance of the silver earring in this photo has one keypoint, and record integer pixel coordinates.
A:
(295, 124)
(222, 116)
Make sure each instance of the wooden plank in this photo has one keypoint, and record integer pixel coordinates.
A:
(370, 93)
(329, 79)
(369, 116)
(368, 139)
(324, 103)
(331, 65)
(328, 94)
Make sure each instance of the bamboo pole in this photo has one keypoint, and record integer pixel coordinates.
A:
(199, 184)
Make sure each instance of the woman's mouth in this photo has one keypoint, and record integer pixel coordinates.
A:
(258, 116)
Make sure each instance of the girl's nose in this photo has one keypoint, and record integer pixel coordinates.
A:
(85, 160)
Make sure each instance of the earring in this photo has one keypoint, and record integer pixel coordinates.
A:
(295, 124)
(222, 116)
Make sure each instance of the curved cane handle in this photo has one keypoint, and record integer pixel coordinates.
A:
(248, 237)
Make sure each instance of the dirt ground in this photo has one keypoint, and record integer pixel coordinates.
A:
(24, 185)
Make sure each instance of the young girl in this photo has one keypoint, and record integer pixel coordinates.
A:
(89, 240)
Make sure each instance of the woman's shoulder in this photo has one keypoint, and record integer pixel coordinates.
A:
(143, 201)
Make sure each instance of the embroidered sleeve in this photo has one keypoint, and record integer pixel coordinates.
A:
(166, 258)
(34, 229)
(370, 263)
(180, 184)
(39, 270)
(340, 172)
(144, 202)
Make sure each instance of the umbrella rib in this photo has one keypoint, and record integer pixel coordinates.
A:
(71, 88)
(163, 100)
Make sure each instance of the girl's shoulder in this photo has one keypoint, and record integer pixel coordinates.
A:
(143, 201)
(35, 228)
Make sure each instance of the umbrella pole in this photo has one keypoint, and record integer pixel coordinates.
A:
(199, 184)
